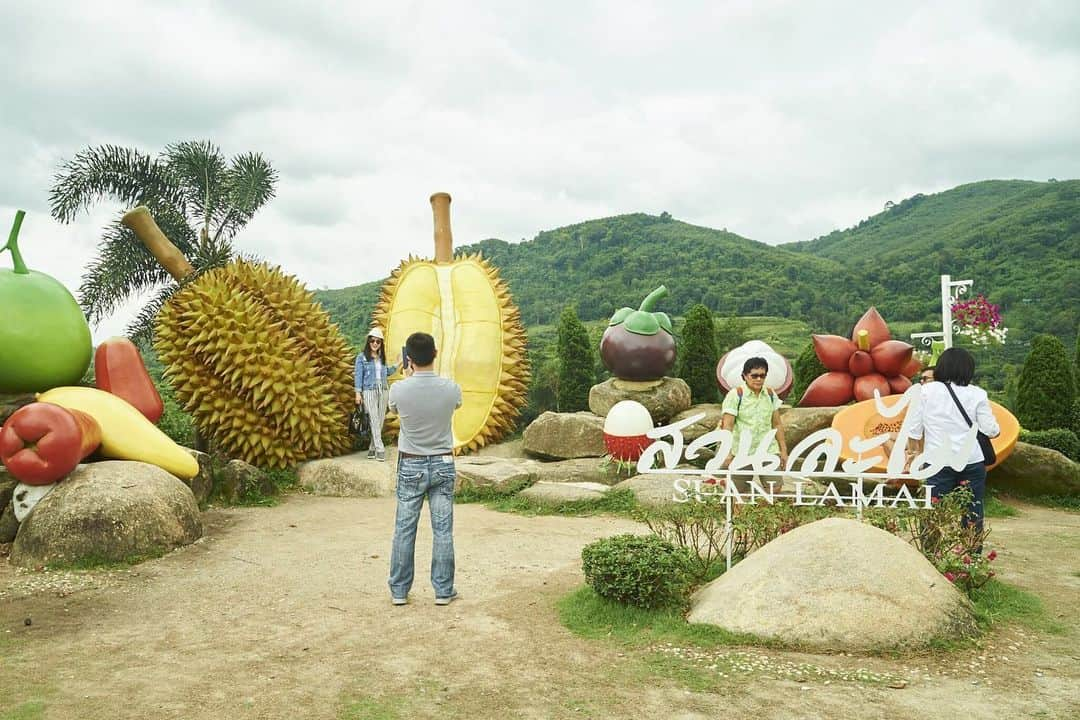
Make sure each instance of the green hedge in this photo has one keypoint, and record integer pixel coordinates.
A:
(641, 570)
(1060, 439)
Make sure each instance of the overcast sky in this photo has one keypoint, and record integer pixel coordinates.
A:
(779, 121)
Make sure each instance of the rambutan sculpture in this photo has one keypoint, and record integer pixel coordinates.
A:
(265, 375)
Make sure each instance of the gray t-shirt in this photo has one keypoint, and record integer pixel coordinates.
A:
(425, 404)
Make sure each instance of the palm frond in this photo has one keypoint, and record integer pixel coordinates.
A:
(251, 182)
(200, 172)
(124, 266)
(141, 329)
(124, 174)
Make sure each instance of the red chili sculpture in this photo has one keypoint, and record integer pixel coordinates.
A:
(870, 361)
(119, 369)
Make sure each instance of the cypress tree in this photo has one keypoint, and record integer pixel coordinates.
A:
(806, 369)
(576, 362)
(697, 356)
(1047, 389)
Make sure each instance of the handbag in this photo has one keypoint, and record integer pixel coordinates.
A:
(989, 456)
(360, 427)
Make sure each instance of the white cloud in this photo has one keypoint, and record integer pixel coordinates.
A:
(777, 120)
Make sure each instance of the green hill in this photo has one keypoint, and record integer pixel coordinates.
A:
(1019, 241)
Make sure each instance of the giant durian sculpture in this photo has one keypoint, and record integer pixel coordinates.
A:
(265, 375)
(464, 304)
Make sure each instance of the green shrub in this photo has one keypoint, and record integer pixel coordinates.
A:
(641, 570)
(697, 356)
(1064, 441)
(806, 369)
(176, 423)
(576, 363)
(1047, 388)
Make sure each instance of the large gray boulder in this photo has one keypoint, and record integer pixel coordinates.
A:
(1033, 470)
(706, 424)
(836, 585)
(9, 524)
(561, 436)
(652, 490)
(202, 485)
(504, 475)
(109, 511)
(508, 449)
(547, 493)
(588, 469)
(800, 422)
(348, 476)
(664, 399)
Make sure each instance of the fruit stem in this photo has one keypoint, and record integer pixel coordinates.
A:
(862, 339)
(651, 299)
(13, 245)
(444, 240)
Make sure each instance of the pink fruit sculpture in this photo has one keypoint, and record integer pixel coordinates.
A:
(870, 360)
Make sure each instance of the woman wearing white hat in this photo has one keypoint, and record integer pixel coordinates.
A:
(372, 389)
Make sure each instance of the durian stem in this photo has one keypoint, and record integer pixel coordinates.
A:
(652, 298)
(862, 339)
(142, 224)
(444, 240)
(13, 245)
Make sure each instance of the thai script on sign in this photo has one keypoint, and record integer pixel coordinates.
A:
(821, 448)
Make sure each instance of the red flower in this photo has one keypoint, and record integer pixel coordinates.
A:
(992, 555)
(935, 500)
(966, 560)
(963, 483)
(950, 577)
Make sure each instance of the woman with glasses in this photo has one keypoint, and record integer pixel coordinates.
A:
(754, 407)
(372, 389)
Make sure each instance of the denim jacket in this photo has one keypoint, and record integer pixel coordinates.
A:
(366, 377)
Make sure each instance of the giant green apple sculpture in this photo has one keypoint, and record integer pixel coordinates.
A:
(44, 338)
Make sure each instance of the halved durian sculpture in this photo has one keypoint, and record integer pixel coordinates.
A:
(265, 375)
(466, 307)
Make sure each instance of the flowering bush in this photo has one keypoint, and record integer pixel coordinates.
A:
(980, 320)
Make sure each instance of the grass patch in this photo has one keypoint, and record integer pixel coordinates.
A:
(613, 502)
(95, 561)
(1070, 503)
(997, 603)
(993, 507)
(587, 614)
(31, 710)
(371, 709)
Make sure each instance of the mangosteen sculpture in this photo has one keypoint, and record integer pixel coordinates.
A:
(639, 344)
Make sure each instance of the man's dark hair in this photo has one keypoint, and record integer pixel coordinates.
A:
(421, 348)
(754, 363)
(955, 365)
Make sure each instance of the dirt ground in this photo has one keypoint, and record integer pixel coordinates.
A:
(283, 612)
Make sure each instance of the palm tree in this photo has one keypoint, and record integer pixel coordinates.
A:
(199, 200)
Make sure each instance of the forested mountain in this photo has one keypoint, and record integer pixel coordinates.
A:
(1019, 241)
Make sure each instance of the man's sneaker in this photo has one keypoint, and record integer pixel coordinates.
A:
(399, 601)
(446, 600)
(380, 455)
(371, 454)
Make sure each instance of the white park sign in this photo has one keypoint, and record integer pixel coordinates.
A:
(821, 448)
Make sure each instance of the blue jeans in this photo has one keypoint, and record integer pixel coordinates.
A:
(946, 480)
(432, 477)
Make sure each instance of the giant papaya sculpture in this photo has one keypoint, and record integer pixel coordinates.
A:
(869, 361)
(464, 304)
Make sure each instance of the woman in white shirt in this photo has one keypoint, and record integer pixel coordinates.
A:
(937, 421)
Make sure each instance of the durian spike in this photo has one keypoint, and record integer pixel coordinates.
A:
(444, 239)
(146, 229)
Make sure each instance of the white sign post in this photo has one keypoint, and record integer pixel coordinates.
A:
(819, 448)
(951, 290)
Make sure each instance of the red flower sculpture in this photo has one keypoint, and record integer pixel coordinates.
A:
(869, 361)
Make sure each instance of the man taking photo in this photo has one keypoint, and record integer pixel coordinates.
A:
(425, 404)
